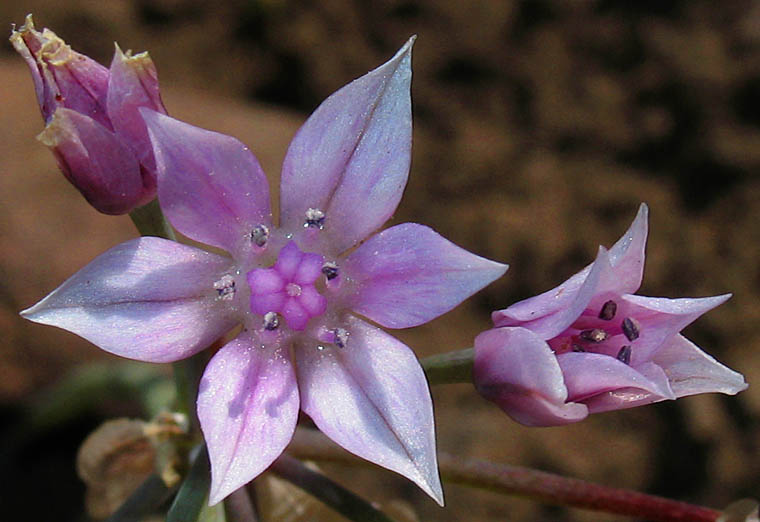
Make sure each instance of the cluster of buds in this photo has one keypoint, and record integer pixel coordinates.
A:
(92, 120)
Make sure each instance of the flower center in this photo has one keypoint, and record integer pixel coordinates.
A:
(601, 331)
(287, 288)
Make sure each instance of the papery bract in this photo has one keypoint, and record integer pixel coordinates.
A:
(296, 289)
(591, 345)
(93, 124)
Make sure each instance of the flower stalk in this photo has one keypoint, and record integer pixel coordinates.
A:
(449, 367)
(526, 482)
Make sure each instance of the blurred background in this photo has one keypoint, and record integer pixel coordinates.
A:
(539, 128)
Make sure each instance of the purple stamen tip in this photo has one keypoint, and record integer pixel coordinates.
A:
(608, 310)
(631, 328)
(624, 355)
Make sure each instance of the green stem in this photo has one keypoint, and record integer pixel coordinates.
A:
(334, 495)
(450, 367)
(526, 482)
(150, 221)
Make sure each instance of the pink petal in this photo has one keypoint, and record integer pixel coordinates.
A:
(133, 83)
(148, 299)
(351, 157)
(408, 274)
(627, 255)
(621, 272)
(590, 374)
(62, 77)
(549, 314)
(265, 281)
(309, 269)
(295, 314)
(289, 260)
(210, 185)
(248, 408)
(661, 318)
(517, 370)
(623, 398)
(372, 398)
(100, 166)
(692, 371)
(261, 304)
(314, 302)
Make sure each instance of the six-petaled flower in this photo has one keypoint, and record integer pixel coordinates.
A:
(591, 345)
(301, 288)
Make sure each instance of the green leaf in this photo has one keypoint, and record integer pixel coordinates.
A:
(188, 505)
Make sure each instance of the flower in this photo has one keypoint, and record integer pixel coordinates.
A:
(591, 345)
(93, 125)
(298, 289)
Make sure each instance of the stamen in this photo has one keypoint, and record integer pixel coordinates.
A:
(608, 310)
(578, 348)
(271, 321)
(330, 270)
(315, 218)
(624, 355)
(341, 337)
(260, 235)
(594, 335)
(225, 288)
(631, 328)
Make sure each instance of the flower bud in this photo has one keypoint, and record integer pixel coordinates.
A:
(93, 123)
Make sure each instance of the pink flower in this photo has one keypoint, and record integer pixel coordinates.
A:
(93, 125)
(298, 288)
(591, 345)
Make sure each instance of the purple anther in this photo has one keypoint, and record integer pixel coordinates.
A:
(624, 355)
(608, 310)
(631, 328)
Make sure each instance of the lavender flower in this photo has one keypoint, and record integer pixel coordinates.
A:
(92, 121)
(297, 289)
(590, 345)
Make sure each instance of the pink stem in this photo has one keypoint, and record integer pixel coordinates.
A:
(526, 482)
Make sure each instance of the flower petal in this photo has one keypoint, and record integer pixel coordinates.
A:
(351, 157)
(621, 271)
(372, 398)
(148, 299)
(692, 371)
(100, 166)
(630, 397)
(408, 274)
(549, 314)
(589, 374)
(660, 318)
(211, 187)
(133, 83)
(62, 77)
(248, 408)
(627, 255)
(517, 370)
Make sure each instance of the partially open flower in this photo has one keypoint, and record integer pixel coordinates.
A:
(298, 288)
(93, 124)
(591, 345)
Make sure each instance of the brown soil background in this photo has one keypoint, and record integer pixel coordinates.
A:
(539, 127)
